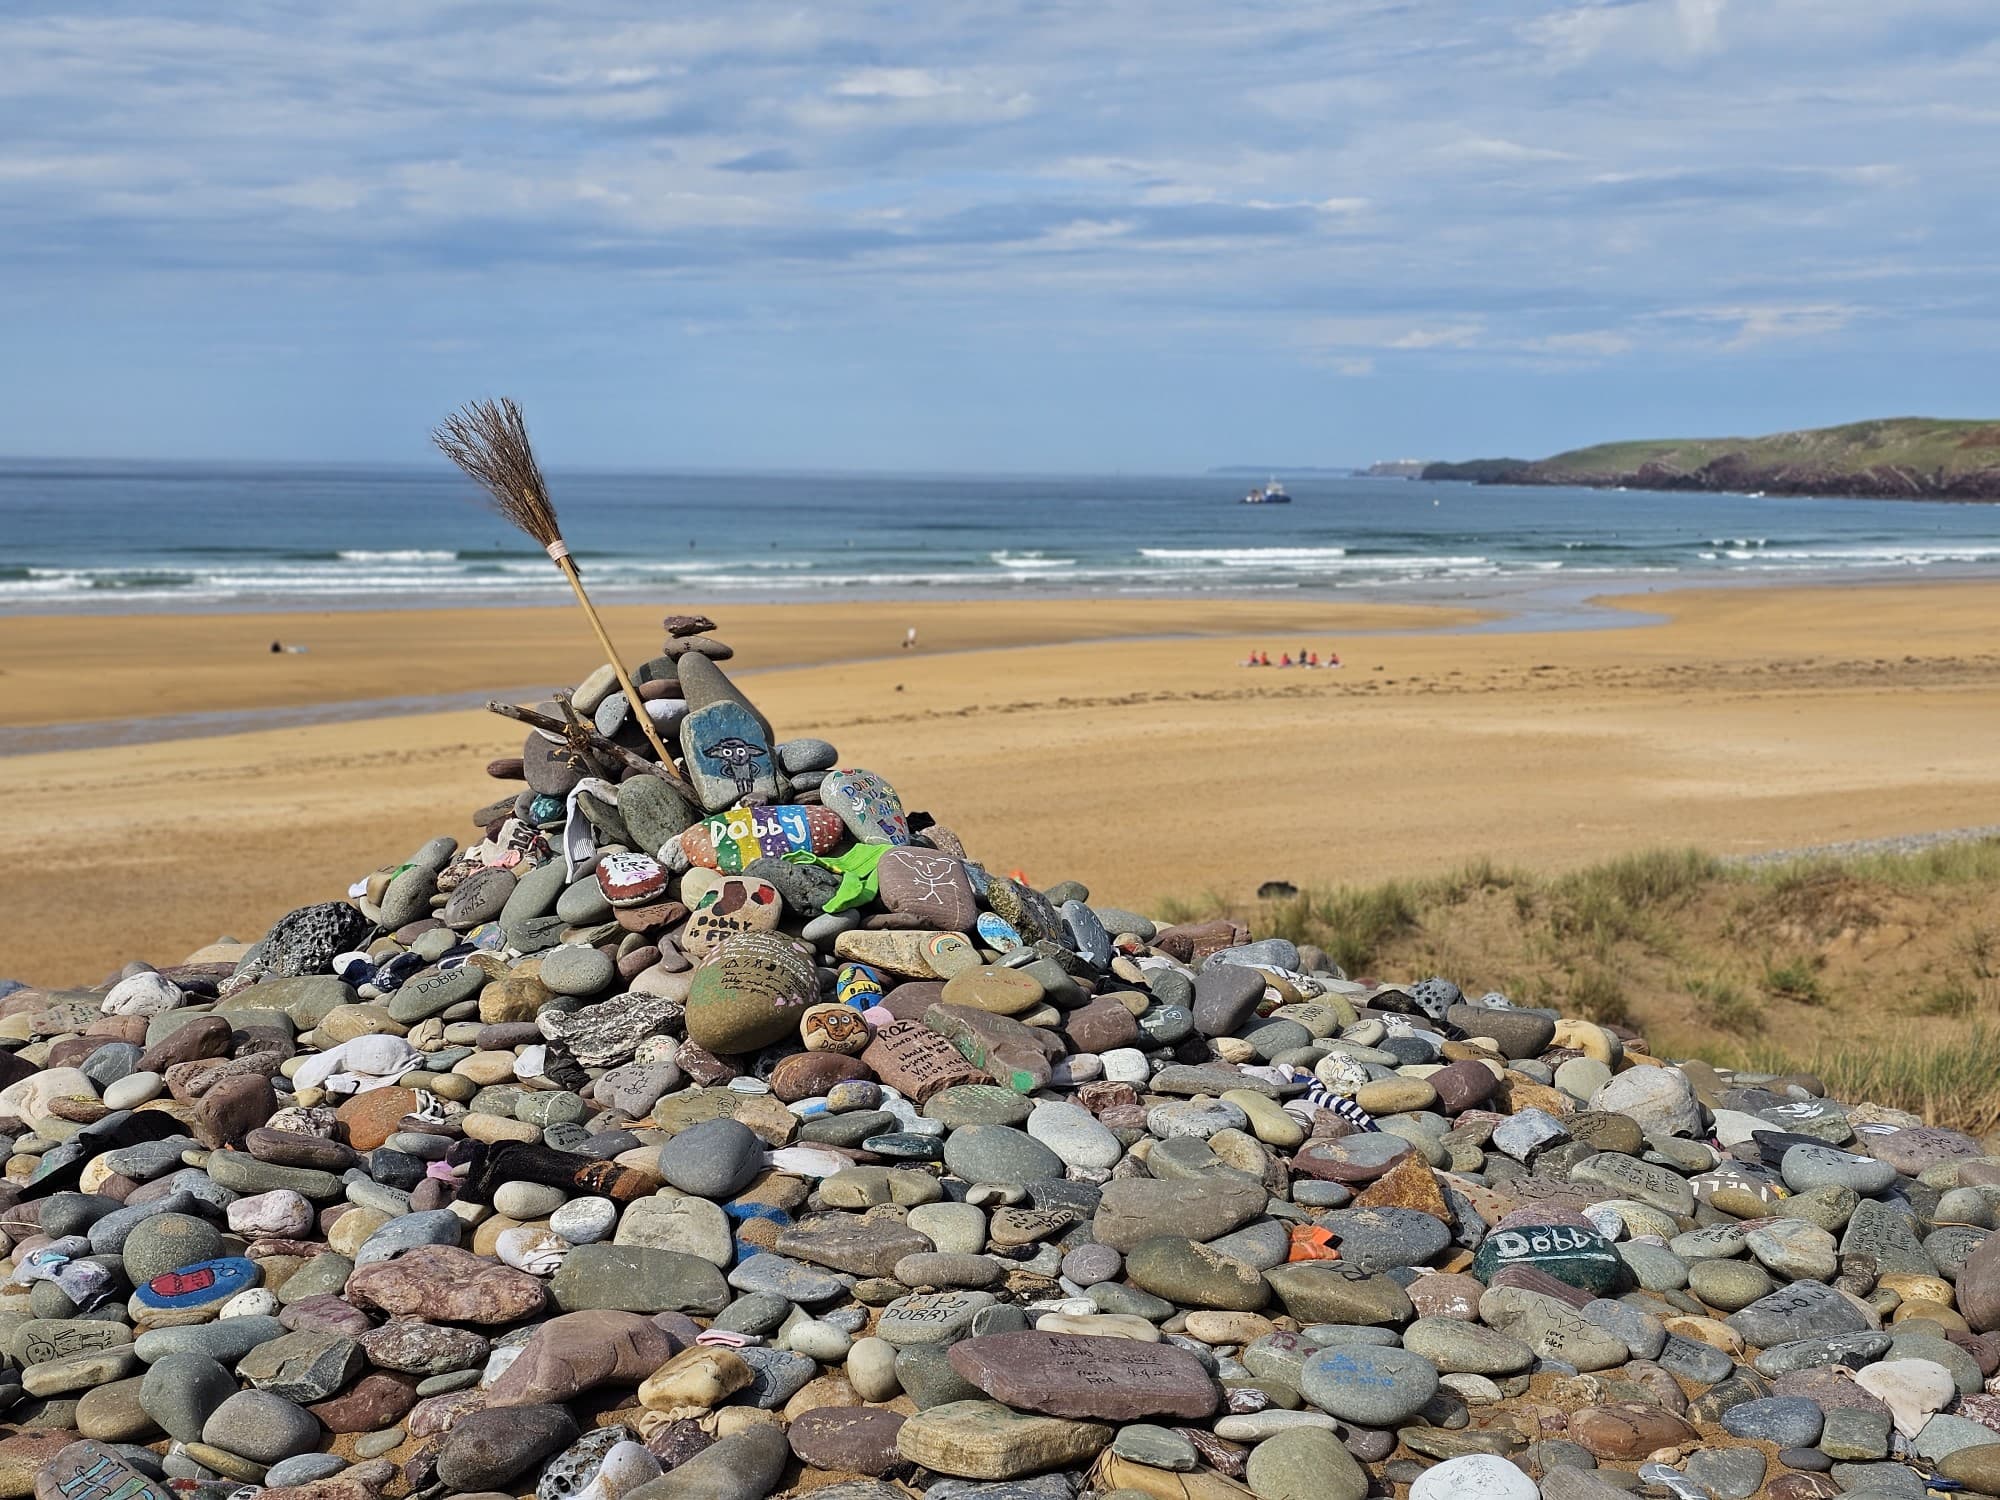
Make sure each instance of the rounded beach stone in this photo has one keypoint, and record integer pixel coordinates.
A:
(1369, 1386)
(1474, 1476)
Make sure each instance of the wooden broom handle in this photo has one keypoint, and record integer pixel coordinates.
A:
(632, 699)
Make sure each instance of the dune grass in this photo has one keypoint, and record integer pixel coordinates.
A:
(1879, 973)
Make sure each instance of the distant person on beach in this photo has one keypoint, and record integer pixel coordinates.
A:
(276, 648)
(910, 639)
(1285, 659)
(1332, 657)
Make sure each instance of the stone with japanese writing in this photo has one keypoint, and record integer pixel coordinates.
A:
(1368, 1385)
(868, 805)
(918, 1063)
(924, 888)
(1580, 1257)
(732, 841)
(750, 992)
(1072, 1375)
(734, 904)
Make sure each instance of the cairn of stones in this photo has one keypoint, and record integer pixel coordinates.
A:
(726, 1129)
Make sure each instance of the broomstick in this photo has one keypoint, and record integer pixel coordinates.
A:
(490, 442)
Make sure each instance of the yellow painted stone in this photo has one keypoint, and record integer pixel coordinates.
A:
(492, 1128)
(1590, 1039)
(1268, 1122)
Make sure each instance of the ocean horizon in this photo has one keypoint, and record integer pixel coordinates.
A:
(108, 536)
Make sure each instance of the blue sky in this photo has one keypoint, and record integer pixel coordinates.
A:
(1011, 235)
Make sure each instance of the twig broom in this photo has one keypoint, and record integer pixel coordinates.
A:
(489, 441)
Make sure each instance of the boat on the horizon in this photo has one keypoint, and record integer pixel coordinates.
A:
(1269, 494)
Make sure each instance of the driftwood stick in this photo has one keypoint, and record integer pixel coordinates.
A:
(597, 742)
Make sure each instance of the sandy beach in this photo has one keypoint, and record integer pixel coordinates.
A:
(1121, 744)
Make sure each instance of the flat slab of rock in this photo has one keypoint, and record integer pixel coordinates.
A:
(985, 1440)
(1075, 1375)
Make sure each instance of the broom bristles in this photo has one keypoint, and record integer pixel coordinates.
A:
(489, 441)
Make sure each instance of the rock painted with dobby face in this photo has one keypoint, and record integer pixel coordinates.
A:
(735, 904)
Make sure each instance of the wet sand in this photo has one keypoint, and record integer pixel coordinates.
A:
(1149, 766)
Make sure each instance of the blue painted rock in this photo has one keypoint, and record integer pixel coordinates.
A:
(858, 985)
(202, 1284)
(727, 756)
(750, 992)
(997, 933)
(1577, 1257)
(731, 840)
(868, 805)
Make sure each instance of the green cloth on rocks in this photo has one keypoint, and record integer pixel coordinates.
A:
(856, 868)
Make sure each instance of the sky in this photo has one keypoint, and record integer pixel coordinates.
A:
(1140, 235)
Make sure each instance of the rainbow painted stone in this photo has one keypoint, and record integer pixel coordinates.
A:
(729, 841)
(198, 1285)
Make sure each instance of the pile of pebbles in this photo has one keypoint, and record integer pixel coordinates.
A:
(736, 1134)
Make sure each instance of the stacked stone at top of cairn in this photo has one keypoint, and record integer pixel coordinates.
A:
(730, 1131)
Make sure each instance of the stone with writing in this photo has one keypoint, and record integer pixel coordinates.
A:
(1580, 1257)
(868, 805)
(735, 904)
(731, 840)
(1075, 1375)
(94, 1471)
(631, 879)
(1011, 1054)
(832, 1027)
(915, 1061)
(750, 992)
(926, 889)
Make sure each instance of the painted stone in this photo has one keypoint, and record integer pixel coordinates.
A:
(198, 1285)
(91, 1471)
(727, 755)
(997, 933)
(926, 889)
(631, 879)
(950, 953)
(858, 985)
(729, 841)
(916, 1061)
(736, 904)
(868, 805)
(834, 1028)
(750, 992)
(1577, 1257)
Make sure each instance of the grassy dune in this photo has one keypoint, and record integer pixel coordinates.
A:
(1922, 443)
(1879, 973)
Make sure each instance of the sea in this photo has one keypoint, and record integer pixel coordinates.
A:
(101, 536)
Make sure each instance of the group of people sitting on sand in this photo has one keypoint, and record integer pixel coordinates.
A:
(1305, 658)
